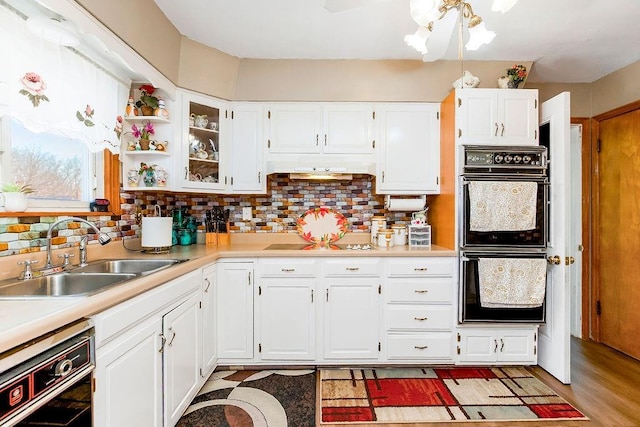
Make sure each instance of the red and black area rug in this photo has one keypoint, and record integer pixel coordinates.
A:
(417, 395)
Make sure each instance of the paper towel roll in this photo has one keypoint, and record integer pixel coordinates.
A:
(156, 231)
(405, 205)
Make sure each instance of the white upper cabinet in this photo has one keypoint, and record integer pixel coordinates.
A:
(314, 128)
(204, 151)
(246, 172)
(409, 154)
(294, 128)
(348, 128)
(497, 116)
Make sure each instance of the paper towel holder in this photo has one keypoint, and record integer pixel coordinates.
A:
(405, 204)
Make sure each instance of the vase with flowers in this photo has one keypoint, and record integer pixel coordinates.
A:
(143, 134)
(148, 173)
(147, 102)
(516, 75)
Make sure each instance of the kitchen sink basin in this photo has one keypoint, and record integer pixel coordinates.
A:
(62, 285)
(132, 266)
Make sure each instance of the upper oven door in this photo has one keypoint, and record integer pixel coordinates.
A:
(501, 219)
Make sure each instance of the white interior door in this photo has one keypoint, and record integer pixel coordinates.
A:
(576, 230)
(554, 336)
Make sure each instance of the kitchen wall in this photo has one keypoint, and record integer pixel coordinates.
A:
(275, 211)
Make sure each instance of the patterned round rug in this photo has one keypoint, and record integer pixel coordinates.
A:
(269, 398)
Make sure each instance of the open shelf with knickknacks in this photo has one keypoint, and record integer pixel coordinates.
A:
(145, 150)
(203, 146)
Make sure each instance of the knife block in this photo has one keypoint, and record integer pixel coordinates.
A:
(217, 239)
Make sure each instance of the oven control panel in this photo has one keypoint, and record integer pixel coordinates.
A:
(483, 157)
(34, 381)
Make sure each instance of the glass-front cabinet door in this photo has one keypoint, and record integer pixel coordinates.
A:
(204, 148)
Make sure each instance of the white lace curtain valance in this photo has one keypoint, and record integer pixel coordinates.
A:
(51, 88)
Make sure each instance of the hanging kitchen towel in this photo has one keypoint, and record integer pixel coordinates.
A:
(512, 282)
(502, 205)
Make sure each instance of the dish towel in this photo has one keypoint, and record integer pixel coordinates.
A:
(512, 282)
(502, 206)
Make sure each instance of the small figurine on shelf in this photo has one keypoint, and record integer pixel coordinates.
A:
(161, 111)
(130, 109)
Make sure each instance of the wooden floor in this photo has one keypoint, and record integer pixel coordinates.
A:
(605, 386)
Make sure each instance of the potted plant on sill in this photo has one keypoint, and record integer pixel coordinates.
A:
(15, 196)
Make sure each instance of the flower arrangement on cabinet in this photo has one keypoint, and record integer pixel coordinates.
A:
(145, 168)
(143, 132)
(147, 102)
(516, 75)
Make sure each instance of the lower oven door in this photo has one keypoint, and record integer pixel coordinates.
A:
(484, 235)
(472, 308)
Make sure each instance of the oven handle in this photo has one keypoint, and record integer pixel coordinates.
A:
(508, 177)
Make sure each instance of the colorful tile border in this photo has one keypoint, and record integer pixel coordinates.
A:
(274, 212)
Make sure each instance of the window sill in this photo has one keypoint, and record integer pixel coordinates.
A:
(58, 213)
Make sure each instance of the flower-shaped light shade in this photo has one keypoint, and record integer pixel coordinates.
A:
(502, 5)
(479, 35)
(424, 11)
(418, 40)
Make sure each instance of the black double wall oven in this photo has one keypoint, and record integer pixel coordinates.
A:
(504, 223)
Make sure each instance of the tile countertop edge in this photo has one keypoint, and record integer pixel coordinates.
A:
(24, 320)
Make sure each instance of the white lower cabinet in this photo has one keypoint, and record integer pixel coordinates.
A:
(182, 355)
(235, 310)
(286, 319)
(419, 311)
(128, 374)
(209, 322)
(286, 309)
(351, 318)
(148, 354)
(516, 345)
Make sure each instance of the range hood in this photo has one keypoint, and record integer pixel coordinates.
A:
(321, 170)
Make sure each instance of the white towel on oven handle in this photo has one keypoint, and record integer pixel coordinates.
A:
(512, 282)
(502, 205)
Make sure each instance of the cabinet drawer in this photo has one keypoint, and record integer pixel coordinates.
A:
(420, 346)
(287, 267)
(420, 290)
(424, 318)
(353, 267)
(422, 267)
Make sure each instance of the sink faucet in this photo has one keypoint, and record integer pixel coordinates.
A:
(102, 238)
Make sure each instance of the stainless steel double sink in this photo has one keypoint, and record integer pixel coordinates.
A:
(88, 280)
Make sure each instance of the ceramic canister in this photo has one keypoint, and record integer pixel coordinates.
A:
(385, 238)
(377, 223)
(399, 235)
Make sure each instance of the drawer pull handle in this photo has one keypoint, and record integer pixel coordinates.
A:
(421, 291)
(421, 347)
(288, 270)
(420, 269)
(352, 268)
(421, 318)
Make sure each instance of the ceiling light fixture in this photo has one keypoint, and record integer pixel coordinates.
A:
(426, 12)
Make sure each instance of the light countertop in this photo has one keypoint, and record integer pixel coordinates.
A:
(24, 320)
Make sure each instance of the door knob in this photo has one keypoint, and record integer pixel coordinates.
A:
(569, 260)
(554, 260)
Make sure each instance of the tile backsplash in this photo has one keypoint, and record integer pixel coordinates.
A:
(273, 212)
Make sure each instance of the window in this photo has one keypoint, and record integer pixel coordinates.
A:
(61, 171)
(58, 112)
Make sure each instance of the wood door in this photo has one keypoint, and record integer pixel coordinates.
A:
(619, 232)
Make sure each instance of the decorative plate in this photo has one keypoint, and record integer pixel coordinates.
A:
(322, 226)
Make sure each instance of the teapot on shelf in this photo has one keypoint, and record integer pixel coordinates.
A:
(199, 121)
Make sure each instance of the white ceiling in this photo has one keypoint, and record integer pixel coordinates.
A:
(570, 41)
